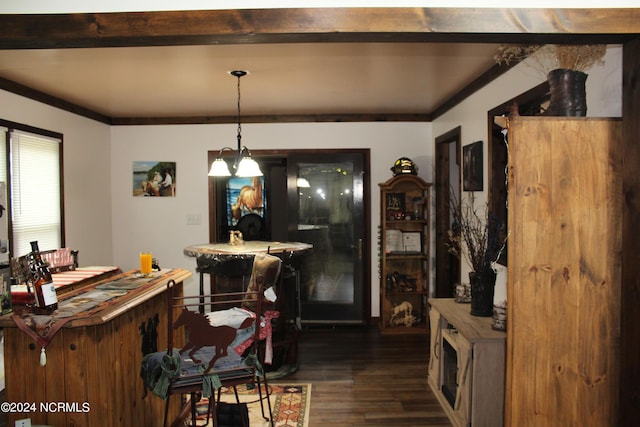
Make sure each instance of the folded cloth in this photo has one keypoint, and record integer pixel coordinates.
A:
(266, 333)
(159, 368)
(40, 328)
(234, 317)
(156, 371)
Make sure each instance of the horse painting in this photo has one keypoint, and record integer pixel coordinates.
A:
(249, 199)
(203, 334)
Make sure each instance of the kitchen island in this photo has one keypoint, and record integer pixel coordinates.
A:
(93, 346)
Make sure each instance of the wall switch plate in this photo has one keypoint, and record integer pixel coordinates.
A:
(193, 219)
(23, 423)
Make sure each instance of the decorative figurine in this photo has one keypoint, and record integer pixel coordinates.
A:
(235, 238)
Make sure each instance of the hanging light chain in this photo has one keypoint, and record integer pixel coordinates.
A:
(239, 74)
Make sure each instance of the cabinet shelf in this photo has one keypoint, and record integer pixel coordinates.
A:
(405, 221)
(398, 293)
(401, 197)
(415, 329)
(401, 255)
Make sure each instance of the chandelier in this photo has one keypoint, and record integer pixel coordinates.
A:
(243, 165)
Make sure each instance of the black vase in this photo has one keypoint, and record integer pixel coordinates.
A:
(568, 93)
(482, 288)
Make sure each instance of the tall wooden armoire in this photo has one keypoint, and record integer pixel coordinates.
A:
(564, 271)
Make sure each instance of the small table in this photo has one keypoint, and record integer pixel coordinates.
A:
(213, 259)
(247, 249)
(211, 256)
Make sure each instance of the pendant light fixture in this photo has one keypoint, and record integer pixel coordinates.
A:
(243, 165)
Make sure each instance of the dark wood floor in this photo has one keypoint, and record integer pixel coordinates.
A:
(363, 378)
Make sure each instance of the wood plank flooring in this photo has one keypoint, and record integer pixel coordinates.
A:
(363, 378)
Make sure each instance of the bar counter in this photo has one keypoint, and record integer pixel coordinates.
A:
(94, 344)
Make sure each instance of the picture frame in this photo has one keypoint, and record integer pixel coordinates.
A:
(472, 169)
(244, 196)
(395, 202)
(154, 179)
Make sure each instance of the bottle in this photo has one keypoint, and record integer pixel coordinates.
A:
(46, 297)
(6, 297)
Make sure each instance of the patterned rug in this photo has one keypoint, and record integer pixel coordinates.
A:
(289, 404)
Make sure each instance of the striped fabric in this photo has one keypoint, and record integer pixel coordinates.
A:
(82, 273)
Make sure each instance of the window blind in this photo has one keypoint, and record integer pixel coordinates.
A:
(35, 191)
(4, 212)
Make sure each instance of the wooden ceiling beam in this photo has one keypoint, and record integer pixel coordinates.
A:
(280, 118)
(45, 31)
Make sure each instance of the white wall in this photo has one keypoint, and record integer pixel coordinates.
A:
(604, 99)
(86, 173)
(159, 224)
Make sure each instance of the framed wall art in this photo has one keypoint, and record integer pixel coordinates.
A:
(395, 203)
(472, 167)
(154, 179)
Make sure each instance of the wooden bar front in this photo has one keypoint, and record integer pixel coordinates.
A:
(92, 374)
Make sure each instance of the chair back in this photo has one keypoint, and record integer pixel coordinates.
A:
(230, 326)
(222, 333)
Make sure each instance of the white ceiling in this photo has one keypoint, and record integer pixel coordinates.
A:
(284, 79)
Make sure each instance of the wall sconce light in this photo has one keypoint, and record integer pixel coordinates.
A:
(244, 165)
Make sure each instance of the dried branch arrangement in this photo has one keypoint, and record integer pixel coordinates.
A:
(553, 56)
(477, 231)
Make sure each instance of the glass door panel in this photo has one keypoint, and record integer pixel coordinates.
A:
(328, 214)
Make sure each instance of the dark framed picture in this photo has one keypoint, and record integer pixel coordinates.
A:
(472, 167)
(395, 202)
(245, 196)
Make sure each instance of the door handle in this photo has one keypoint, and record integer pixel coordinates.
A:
(360, 248)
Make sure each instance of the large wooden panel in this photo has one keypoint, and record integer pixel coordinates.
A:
(565, 198)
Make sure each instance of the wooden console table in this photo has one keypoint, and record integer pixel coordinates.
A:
(466, 364)
(92, 371)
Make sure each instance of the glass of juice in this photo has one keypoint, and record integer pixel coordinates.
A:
(145, 262)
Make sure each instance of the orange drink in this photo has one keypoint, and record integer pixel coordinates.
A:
(145, 262)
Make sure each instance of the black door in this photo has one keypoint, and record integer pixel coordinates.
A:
(326, 209)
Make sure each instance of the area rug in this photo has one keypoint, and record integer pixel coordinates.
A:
(289, 405)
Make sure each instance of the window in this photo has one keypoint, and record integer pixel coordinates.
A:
(33, 179)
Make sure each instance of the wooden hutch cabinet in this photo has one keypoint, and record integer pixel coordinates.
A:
(404, 254)
(564, 272)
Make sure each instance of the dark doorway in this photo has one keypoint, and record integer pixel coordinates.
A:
(447, 181)
(530, 103)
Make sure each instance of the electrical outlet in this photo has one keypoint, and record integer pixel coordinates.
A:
(193, 219)
(23, 423)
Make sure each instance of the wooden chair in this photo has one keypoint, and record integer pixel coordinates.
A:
(224, 345)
